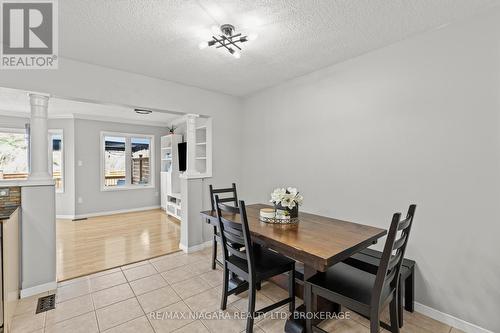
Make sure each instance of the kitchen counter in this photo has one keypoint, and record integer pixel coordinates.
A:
(7, 211)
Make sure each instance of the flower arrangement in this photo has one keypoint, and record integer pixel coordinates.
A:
(288, 197)
(286, 201)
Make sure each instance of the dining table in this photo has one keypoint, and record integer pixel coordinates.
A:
(318, 242)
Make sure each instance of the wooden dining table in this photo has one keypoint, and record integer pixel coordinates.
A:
(316, 241)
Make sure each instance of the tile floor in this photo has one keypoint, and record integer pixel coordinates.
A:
(121, 300)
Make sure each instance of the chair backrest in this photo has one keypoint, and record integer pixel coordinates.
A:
(233, 232)
(393, 254)
(230, 192)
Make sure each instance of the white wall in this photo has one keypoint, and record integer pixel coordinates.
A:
(416, 122)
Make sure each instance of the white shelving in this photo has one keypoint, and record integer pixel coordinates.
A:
(171, 200)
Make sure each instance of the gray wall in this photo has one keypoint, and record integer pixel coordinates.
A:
(416, 122)
(87, 180)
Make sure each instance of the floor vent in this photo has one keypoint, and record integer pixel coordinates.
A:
(46, 303)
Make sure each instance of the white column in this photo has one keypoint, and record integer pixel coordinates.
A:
(39, 142)
(191, 144)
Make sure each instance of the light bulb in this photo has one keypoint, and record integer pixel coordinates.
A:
(252, 36)
(203, 45)
(236, 54)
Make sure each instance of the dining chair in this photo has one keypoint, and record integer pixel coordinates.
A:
(362, 292)
(232, 198)
(253, 264)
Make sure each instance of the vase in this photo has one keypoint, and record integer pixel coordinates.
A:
(292, 212)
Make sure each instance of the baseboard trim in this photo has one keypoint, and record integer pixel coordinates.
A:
(449, 319)
(195, 248)
(110, 212)
(65, 217)
(27, 292)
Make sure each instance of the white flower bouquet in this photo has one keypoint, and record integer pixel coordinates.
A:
(287, 201)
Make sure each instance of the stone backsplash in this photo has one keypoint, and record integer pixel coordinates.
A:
(14, 197)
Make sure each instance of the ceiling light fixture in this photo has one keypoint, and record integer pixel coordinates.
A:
(228, 40)
(143, 111)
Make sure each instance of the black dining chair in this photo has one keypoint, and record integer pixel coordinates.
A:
(362, 292)
(232, 197)
(253, 264)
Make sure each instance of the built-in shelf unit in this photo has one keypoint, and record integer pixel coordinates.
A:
(171, 200)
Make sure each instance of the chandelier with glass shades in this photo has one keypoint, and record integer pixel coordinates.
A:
(227, 38)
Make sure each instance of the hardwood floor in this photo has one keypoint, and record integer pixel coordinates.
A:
(100, 243)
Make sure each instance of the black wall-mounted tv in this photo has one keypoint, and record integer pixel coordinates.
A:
(182, 147)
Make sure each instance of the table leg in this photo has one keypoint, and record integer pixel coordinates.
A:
(296, 321)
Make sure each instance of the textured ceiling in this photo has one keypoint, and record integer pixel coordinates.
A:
(16, 103)
(160, 38)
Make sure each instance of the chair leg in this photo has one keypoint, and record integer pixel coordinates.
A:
(394, 315)
(374, 321)
(400, 302)
(225, 287)
(291, 289)
(258, 285)
(410, 291)
(214, 249)
(308, 302)
(251, 307)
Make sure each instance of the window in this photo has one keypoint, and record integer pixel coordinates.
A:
(140, 160)
(56, 157)
(13, 154)
(127, 161)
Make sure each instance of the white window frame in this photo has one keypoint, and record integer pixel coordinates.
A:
(128, 157)
(63, 153)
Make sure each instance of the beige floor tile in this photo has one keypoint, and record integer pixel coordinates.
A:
(273, 291)
(170, 262)
(139, 272)
(230, 322)
(138, 325)
(107, 281)
(178, 274)
(261, 301)
(213, 277)
(206, 301)
(198, 256)
(152, 260)
(118, 313)
(188, 288)
(343, 326)
(112, 295)
(106, 272)
(200, 267)
(86, 323)
(28, 322)
(28, 304)
(78, 279)
(194, 327)
(162, 323)
(69, 309)
(158, 299)
(134, 265)
(72, 290)
(272, 325)
(148, 284)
